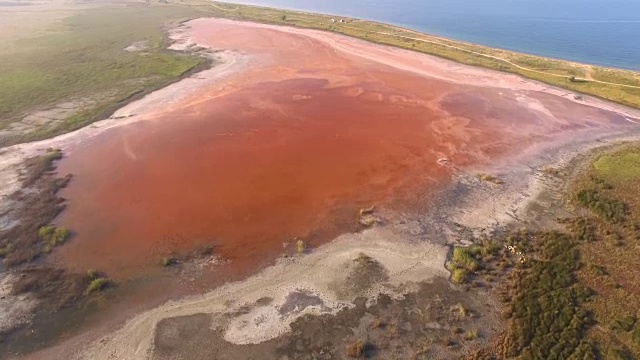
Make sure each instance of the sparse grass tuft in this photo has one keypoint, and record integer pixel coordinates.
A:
(356, 349)
(470, 334)
(553, 171)
(92, 274)
(4, 251)
(52, 236)
(464, 257)
(377, 324)
(490, 178)
(301, 247)
(460, 310)
(97, 284)
(168, 261)
(459, 276)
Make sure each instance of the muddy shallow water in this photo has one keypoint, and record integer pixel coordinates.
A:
(291, 146)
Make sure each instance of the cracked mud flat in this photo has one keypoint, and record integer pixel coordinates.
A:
(333, 124)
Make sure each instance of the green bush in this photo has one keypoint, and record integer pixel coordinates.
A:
(459, 276)
(624, 324)
(465, 257)
(97, 284)
(548, 321)
(52, 235)
(471, 334)
(610, 209)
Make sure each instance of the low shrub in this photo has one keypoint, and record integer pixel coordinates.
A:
(53, 235)
(611, 210)
(356, 349)
(97, 284)
(168, 261)
(459, 276)
(301, 247)
(464, 257)
(471, 334)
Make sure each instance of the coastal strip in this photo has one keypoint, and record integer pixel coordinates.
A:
(622, 86)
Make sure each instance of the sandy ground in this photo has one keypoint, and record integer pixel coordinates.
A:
(14, 310)
(323, 272)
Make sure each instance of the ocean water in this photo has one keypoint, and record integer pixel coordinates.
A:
(599, 32)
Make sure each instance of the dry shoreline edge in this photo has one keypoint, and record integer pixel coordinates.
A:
(431, 265)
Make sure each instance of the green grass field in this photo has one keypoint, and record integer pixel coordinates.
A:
(85, 62)
(550, 71)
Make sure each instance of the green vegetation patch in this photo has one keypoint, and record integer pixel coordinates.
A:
(547, 319)
(85, 63)
(97, 284)
(52, 236)
(610, 209)
(466, 261)
(621, 166)
(577, 296)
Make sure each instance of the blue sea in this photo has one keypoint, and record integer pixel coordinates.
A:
(599, 32)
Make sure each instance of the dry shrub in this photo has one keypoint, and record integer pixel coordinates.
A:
(356, 349)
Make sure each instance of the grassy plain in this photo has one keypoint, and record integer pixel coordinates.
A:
(617, 85)
(80, 63)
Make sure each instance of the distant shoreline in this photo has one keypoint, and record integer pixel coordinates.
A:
(483, 41)
(618, 85)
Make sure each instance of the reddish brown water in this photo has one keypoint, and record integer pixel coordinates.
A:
(293, 147)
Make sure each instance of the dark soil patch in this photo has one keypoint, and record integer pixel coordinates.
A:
(24, 248)
(57, 288)
(37, 205)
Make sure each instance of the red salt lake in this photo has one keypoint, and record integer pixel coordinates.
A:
(291, 146)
